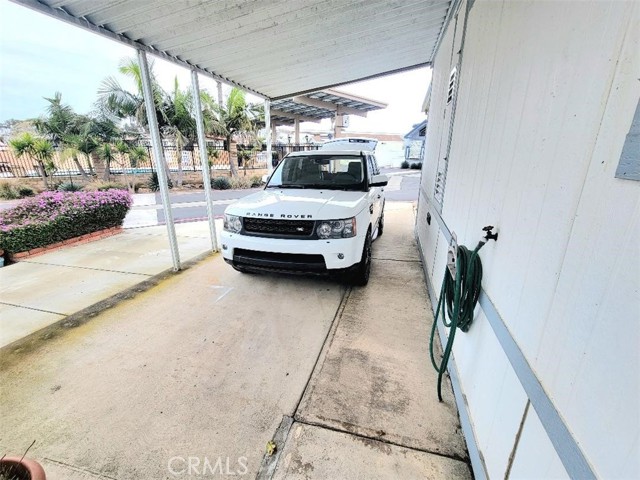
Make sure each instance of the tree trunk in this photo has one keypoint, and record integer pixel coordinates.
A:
(179, 182)
(82, 171)
(129, 184)
(107, 170)
(233, 157)
(43, 174)
(98, 164)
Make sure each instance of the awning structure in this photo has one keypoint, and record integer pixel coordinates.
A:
(275, 49)
(313, 107)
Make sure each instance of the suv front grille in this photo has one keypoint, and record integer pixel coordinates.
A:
(268, 226)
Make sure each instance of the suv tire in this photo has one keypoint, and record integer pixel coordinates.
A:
(381, 223)
(361, 274)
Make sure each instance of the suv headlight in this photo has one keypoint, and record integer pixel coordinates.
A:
(336, 228)
(232, 223)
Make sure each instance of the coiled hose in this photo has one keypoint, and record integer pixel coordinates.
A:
(458, 299)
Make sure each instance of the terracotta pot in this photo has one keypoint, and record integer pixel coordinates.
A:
(33, 468)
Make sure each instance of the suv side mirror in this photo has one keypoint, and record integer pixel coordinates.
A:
(265, 178)
(379, 181)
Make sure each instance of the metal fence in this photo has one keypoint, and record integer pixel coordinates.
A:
(249, 157)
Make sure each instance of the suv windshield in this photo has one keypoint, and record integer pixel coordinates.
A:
(337, 172)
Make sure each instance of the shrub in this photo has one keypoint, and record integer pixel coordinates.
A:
(238, 183)
(153, 183)
(404, 164)
(8, 191)
(99, 186)
(256, 181)
(25, 191)
(416, 166)
(220, 183)
(52, 217)
(111, 186)
(69, 187)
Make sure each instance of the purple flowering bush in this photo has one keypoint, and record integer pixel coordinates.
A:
(52, 217)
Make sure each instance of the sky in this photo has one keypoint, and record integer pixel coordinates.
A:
(40, 56)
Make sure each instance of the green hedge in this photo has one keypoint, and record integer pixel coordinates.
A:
(52, 217)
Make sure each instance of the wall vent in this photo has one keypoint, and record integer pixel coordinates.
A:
(452, 85)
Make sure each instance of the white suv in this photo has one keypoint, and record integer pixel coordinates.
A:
(318, 214)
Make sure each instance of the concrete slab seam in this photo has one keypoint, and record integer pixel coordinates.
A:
(86, 268)
(380, 440)
(31, 308)
(326, 345)
(395, 260)
(270, 462)
(78, 469)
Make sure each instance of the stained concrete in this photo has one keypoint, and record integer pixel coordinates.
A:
(317, 453)
(203, 365)
(375, 377)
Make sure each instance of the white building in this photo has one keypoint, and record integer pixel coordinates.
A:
(530, 108)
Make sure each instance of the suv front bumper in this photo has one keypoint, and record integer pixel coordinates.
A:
(290, 255)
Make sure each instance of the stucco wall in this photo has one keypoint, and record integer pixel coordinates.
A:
(546, 95)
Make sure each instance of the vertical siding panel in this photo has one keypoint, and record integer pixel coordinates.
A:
(535, 93)
(589, 350)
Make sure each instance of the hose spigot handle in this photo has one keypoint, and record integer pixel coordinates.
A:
(489, 235)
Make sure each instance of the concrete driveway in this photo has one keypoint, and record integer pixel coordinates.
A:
(193, 377)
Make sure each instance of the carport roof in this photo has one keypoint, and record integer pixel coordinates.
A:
(323, 104)
(275, 49)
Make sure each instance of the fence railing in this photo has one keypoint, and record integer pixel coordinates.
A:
(249, 157)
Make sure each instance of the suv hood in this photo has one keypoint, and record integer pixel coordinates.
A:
(295, 204)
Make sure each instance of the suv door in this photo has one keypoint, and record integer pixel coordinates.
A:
(375, 193)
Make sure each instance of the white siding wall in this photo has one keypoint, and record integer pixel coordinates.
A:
(546, 97)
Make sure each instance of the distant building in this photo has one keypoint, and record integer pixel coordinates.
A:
(414, 142)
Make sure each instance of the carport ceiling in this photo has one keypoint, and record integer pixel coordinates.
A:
(274, 48)
(313, 107)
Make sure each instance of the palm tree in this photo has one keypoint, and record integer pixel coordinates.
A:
(181, 124)
(27, 145)
(81, 143)
(229, 120)
(107, 154)
(137, 155)
(117, 103)
(43, 151)
(61, 120)
(122, 149)
(60, 124)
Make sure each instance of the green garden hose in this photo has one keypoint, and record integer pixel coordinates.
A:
(457, 301)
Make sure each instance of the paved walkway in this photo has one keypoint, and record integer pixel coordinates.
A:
(49, 287)
(212, 364)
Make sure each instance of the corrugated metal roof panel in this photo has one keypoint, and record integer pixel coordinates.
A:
(275, 48)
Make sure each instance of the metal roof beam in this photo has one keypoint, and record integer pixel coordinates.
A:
(312, 102)
(355, 98)
(294, 116)
(361, 79)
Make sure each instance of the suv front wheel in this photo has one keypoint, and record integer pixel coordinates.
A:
(361, 274)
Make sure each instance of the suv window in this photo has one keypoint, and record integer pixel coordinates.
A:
(373, 166)
(338, 172)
